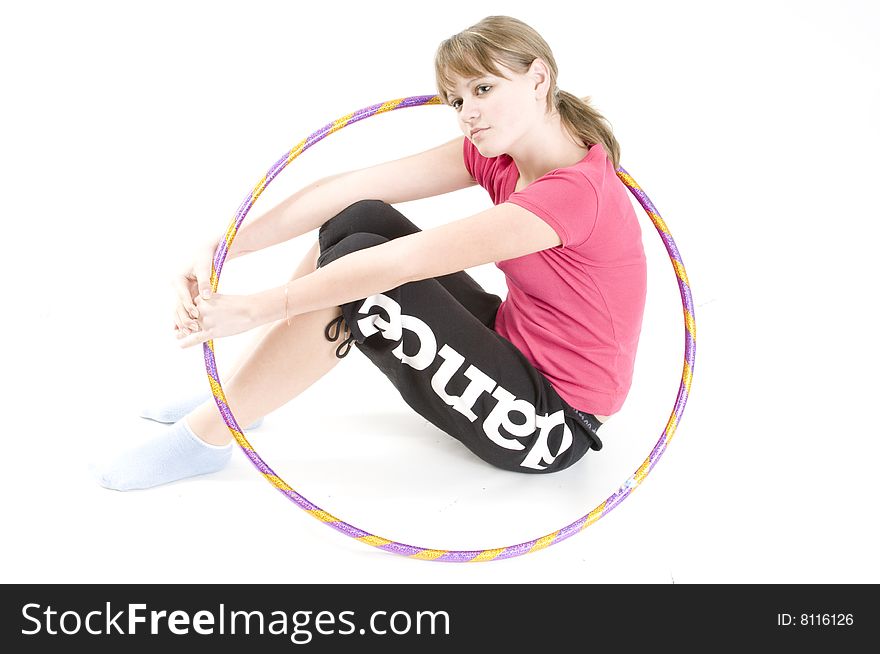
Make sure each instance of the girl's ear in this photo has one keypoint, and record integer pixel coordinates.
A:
(540, 73)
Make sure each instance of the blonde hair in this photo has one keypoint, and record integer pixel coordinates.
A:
(504, 40)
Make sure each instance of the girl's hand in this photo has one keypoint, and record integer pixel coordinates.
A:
(219, 316)
(193, 282)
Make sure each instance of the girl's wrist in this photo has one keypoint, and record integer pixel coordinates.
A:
(237, 249)
(271, 306)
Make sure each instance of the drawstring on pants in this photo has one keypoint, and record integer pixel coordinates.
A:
(593, 425)
(337, 323)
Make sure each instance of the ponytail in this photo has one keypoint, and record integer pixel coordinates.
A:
(585, 123)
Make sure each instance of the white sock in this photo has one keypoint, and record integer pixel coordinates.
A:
(171, 410)
(176, 454)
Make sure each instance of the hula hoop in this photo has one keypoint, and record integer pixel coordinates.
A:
(427, 553)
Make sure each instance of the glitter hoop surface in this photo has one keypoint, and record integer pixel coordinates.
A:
(412, 551)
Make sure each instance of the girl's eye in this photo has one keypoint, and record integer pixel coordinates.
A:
(456, 104)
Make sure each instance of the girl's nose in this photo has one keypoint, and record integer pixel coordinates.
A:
(469, 111)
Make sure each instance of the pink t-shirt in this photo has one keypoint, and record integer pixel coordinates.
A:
(575, 310)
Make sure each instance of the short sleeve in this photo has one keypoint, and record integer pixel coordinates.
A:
(566, 200)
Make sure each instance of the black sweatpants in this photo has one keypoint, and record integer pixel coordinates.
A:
(435, 342)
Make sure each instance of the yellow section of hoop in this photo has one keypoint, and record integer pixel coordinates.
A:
(594, 515)
(322, 515)
(428, 555)
(375, 541)
(544, 541)
(487, 555)
(277, 482)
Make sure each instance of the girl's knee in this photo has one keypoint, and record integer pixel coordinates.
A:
(367, 206)
(349, 244)
(357, 211)
(360, 216)
(372, 216)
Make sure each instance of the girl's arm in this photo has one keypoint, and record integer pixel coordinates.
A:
(426, 174)
(503, 232)
(429, 173)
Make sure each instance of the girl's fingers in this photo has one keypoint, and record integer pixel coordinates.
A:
(193, 339)
(203, 266)
(182, 319)
(203, 277)
(184, 297)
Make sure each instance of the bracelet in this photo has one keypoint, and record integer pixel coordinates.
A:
(286, 310)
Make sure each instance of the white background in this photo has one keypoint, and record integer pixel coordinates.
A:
(128, 134)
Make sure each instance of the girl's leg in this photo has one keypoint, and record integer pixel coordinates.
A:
(371, 216)
(284, 363)
(179, 404)
(381, 219)
(434, 340)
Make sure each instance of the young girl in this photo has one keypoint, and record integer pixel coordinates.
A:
(524, 383)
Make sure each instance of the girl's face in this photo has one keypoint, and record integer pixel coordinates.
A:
(495, 112)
